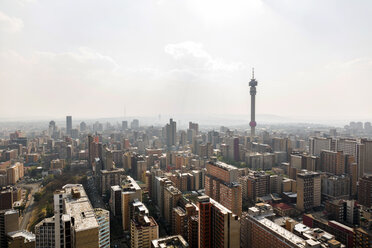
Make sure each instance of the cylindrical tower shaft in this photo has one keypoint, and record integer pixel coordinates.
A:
(253, 115)
(252, 124)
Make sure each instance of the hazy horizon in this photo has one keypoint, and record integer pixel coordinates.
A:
(203, 120)
(101, 59)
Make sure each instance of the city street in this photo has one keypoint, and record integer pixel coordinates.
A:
(93, 194)
(29, 204)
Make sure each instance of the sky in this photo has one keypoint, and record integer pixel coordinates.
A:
(87, 58)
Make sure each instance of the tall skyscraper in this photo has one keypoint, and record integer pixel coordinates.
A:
(252, 124)
(124, 125)
(68, 124)
(171, 130)
(83, 126)
(134, 124)
(52, 127)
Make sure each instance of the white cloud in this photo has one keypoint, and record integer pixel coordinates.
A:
(10, 24)
(356, 63)
(81, 61)
(191, 55)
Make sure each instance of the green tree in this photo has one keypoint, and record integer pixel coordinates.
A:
(49, 211)
(37, 196)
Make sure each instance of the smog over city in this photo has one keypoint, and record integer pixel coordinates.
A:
(185, 123)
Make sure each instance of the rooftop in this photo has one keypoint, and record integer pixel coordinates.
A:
(28, 236)
(223, 165)
(45, 221)
(282, 232)
(304, 173)
(129, 184)
(116, 188)
(77, 205)
(170, 242)
(223, 209)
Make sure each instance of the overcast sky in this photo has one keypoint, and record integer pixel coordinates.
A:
(90, 58)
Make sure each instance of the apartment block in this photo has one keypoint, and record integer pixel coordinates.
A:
(308, 190)
(144, 228)
(218, 226)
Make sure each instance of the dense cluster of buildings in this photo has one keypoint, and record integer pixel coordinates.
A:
(166, 187)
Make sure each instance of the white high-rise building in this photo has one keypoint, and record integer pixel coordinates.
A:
(103, 218)
(317, 144)
(75, 219)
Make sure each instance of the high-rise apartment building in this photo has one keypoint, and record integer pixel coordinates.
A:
(179, 223)
(75, 221)
(255, 184)
(348, 146)
(45, 233)
(171, 197)
(335, 187)
(8, 223)
(131, 191)
(68, 125)
(317, 144)
(308, 190)
(159, 187)
(222, 171)
(193, 232)
(115, 200)
(365, 161)
(231, 197)
(110, 177)
(332, 162)
(103, 219)
(233, 152)
(93, 152)
(259, 231)
(9, 195)
(221, 184)
(14, 173)
(144, 228)
(218, 226)
(281, 144)
(365, 191)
